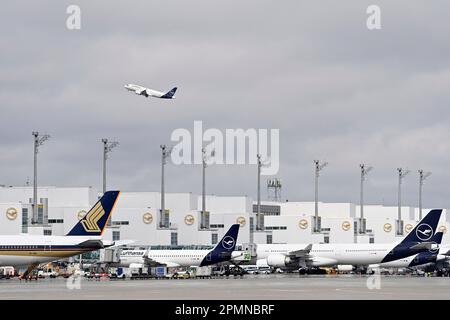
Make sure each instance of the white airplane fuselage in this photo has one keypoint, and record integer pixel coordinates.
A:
(182, 258)
(146, 92)
(331, 254)
(25, 250)
(170, 258)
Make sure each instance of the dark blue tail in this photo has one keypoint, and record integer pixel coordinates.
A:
(437, 237)
(94, 222)
(228, 242)
(222, 251)
(425, 229)
(170, 94)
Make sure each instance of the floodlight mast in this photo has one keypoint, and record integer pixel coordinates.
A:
(318, 167)
(165, 153)
(364, 171)
(258, 195)
(108, 146)
(204, 224)
(422, 177)
(401, 174)
(38, 141)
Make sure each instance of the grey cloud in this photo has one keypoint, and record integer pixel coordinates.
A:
(335, 90)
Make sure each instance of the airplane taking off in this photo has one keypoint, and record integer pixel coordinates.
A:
(31, 250)
(146, 92)
(357, 254)
(222, 252)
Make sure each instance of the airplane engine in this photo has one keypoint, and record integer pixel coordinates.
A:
(278, 260)
(323, 262)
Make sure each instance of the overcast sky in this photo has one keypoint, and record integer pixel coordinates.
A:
(336, 91)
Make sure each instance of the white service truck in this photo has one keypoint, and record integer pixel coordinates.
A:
(7, 272)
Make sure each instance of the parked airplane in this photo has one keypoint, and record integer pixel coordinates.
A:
(31, 250)
(222, 252)
(357, 254)
(146, 92)
(430, 256)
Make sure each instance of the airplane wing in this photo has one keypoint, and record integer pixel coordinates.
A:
(447, 253)
(154, 263)
(91, 243)
(142, 92)
(121, 243)
(303, 253)
(171, 264)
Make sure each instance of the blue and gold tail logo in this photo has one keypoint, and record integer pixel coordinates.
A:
(94, 222)
(90, 221)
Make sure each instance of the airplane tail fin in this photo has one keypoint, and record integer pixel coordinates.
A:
(228, 242)
(170, 94)
(437, 237)
(425, 229)
(94, 222)
(224, 248)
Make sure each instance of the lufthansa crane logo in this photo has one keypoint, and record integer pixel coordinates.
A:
(241, 221)
(424, 232)
(408, 228)
(90, 221)
(81, 214)
(303, 224)
(189, 219)
(387, 227)
(11, 213)
(147, 218)
(228, 242)
(434, 247)
(346, 225)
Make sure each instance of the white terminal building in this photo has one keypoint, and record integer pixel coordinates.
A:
(137, 216)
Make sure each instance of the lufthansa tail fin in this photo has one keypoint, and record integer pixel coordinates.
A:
(170, 94)
(228, 242)
(437, 237)
(425, 229)
(94, 222)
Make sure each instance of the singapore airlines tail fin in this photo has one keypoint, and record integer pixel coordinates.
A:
(94, 222)
(425, 229)
(170, 94)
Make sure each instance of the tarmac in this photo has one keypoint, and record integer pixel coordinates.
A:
(249, 287)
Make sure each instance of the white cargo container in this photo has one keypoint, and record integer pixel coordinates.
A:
(201, 272)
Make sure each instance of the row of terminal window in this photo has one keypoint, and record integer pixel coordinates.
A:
(276, 228)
